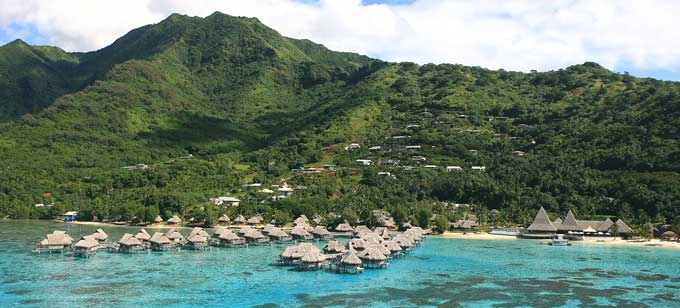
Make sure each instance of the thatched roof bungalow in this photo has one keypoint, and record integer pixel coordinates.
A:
(373, 257)
(197, 241)
(86, 247)
(321, 232)
(129, 243)
(174, 236)
(311, 260)
(255, 220)
(279, 235)
(333, 247)
(100, 235)
(160, 242)
(345, 228)
(229, 239)
(174, 220)
(240, 220)
(569, 223)
(158, 219)
(301, 234)
(56, 241)
(224, 219)
(142, 235)
(359, 230)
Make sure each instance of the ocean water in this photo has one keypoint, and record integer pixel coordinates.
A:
(440, 273)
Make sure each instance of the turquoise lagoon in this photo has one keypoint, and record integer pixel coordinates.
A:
(440, 273)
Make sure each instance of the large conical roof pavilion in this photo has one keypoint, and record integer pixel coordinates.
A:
(542, 223)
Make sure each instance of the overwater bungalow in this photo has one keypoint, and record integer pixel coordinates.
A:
(160, 242)
(198, 231)
(174, 236)
(301, 234)
(57, 241)
(345, 228)
(223, 220)
(279, 235)
(357, 244)
(290, 255)
(333, 247)
(311, 260)
(321, 232)
(256, 237)
(385, 234)
(86, 247)
(174, 220)
(393, 246)
(143, 236)
(240, 220)
(100, 236)
(349, 263)
(229, 239)
(244, 229)
(130, 244)
(372, 257)
(197, 241)
(404, 242)
(359, 230)
(541, 227)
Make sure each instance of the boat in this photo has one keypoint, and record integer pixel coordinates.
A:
(559, 240)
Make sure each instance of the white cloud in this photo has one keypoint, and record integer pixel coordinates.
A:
(516, 35)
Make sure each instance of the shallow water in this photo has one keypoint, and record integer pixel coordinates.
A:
(440, 273)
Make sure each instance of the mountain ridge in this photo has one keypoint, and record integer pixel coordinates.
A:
(250, 105)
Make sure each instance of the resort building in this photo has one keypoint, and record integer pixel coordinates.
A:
(541, 227)
(130, 244)
(143, 236)
(159, 242)
(174, 220)
(570, 225)
(56, 241)
(86, 247)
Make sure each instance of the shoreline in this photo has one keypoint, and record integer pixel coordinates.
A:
(587, 241)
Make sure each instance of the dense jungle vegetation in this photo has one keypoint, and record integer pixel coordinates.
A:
(250, 105)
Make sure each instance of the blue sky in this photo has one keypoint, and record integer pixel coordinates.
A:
(637, 36)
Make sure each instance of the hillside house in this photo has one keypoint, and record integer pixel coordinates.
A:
(454, 168)
(364, 162)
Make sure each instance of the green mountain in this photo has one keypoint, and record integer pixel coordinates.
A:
(251, 105)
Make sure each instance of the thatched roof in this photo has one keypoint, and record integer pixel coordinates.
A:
(254, 234)
(362, 229)
(240, 220)
(198, 231)
(223, 218)
(371, 238)
(623, 227)
(584, 224)
(321, 231)
(589, 229)
(197, 238)
(129, 240)
(557, 221)
(356, 243)
(159, 238)
(289, 251)
(308, 246)
(174, 220)
(301, 220)
(312, 257)
(277, 233)
(220, 230)
(333, 247)
(392, 246)
(173, 234)
(380, 248)
(87, 242)
(403, 241)
(255, 220)
(605, 226)
(299, 232)
(158, 219)
(245, 229)
(350, 258)
(142, 235)
(372, 254)
(100, 235)
(542, 223)
(229, 236)
(569, 223)
(58, 238)
(344, 228)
